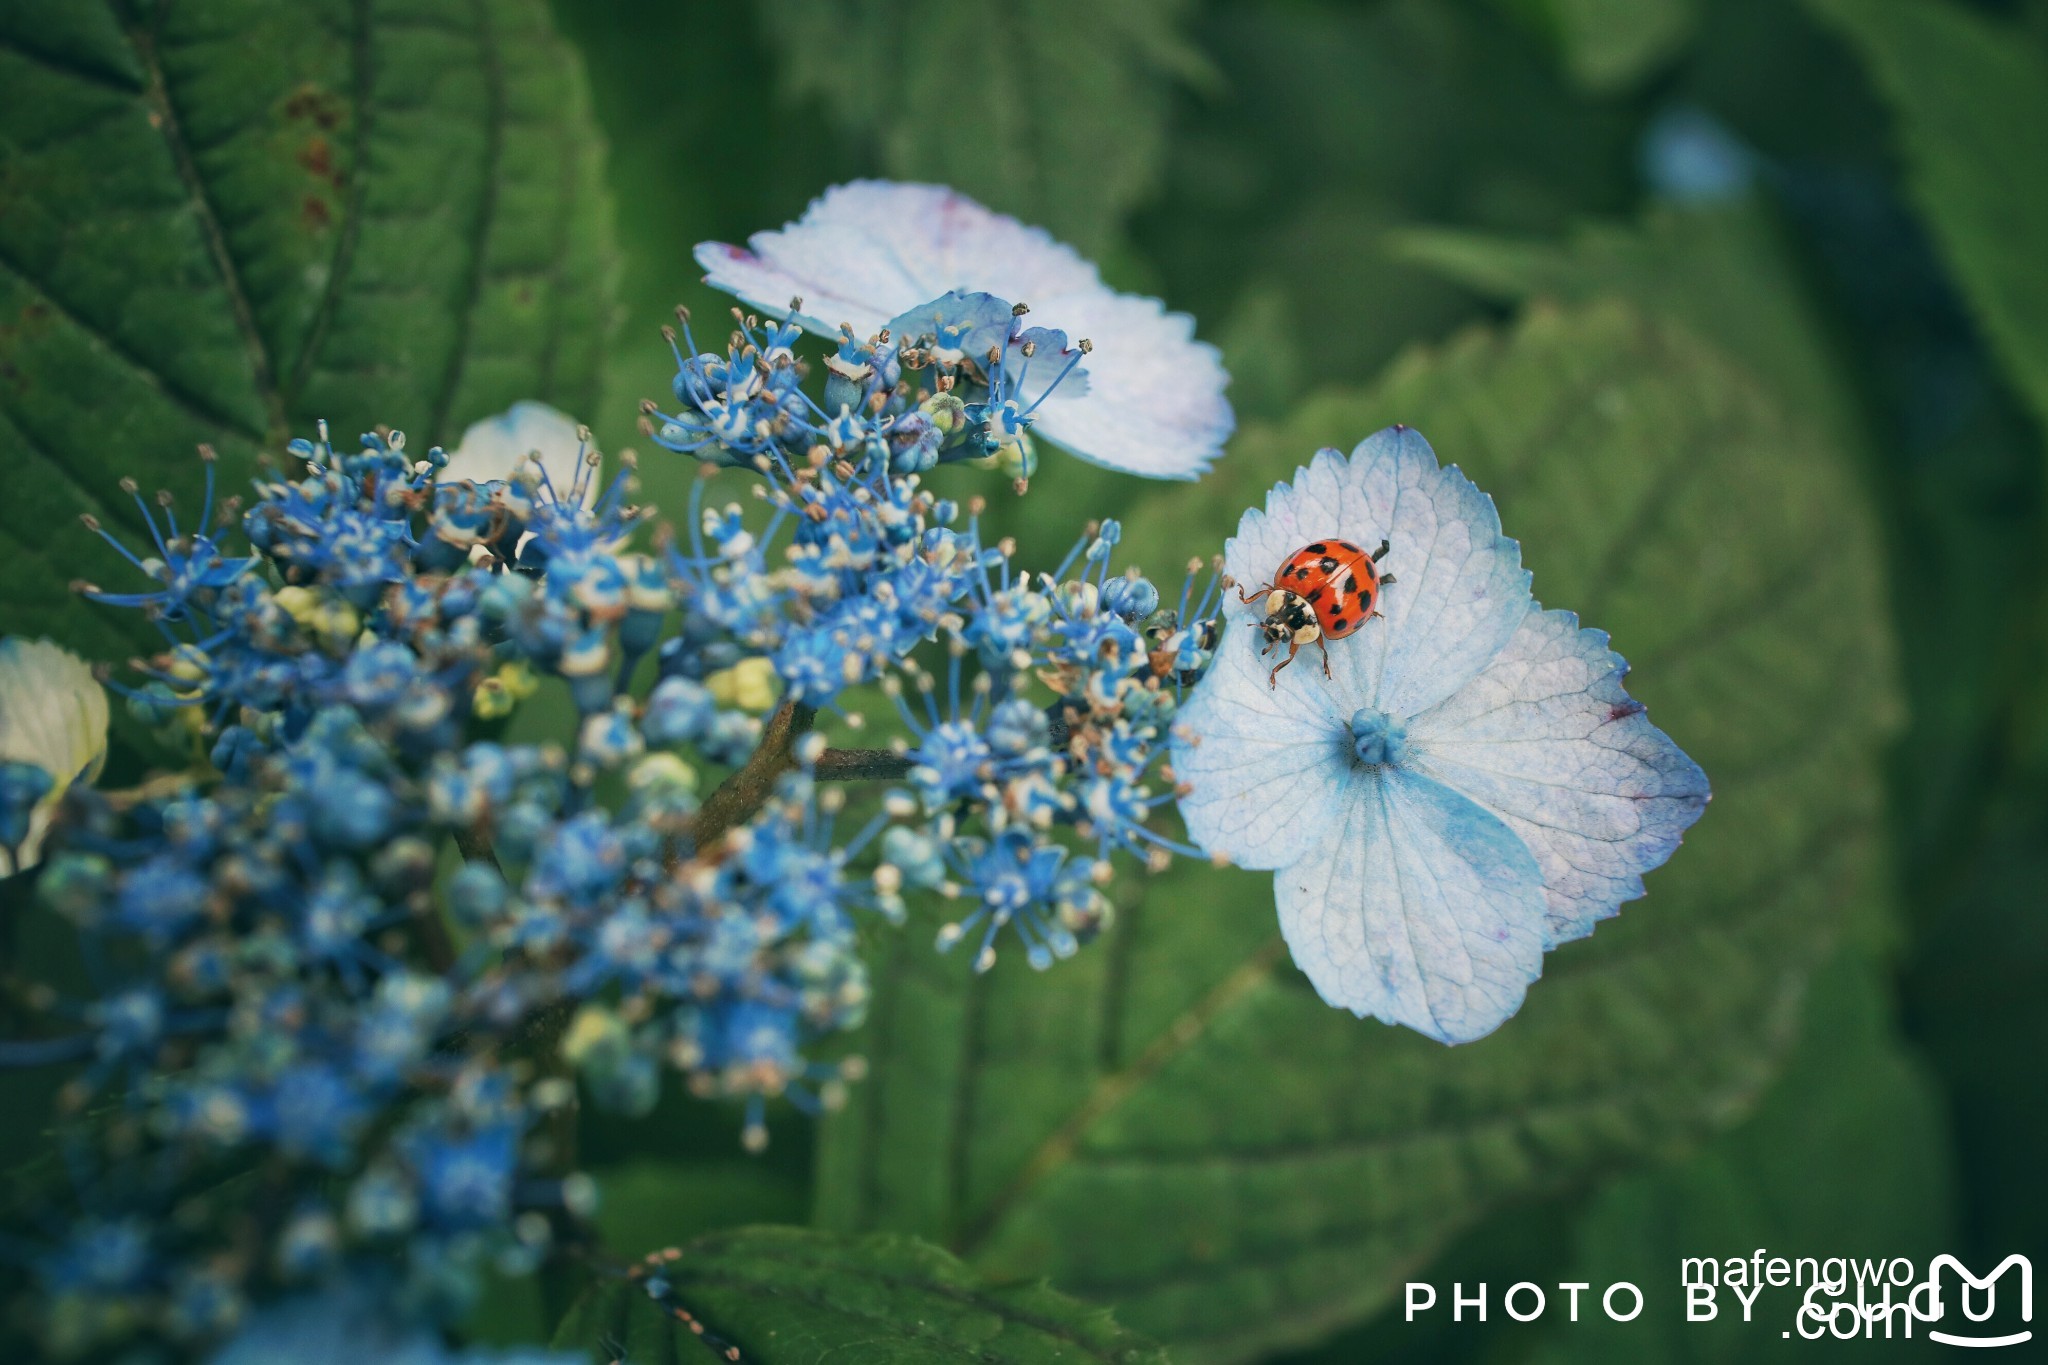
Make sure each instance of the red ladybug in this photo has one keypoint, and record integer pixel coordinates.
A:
(1324, 591)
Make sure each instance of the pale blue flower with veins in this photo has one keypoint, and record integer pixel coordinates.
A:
(876, 254)
(1468, 788)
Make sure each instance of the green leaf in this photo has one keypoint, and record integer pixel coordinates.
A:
(791, 1296)
(1174, 1123)
(1970, 97)
(641, 1204)
(1725, 272)
(1609, 46)
(646, 1200)
(1342, 121)
(1054, 111)
(671, 75)
(1851, 1099)
(1974, 994)
(1729, 274)
(229, 218)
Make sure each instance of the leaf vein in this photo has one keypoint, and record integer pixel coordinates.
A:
(206, 213)
(492, 63)
(194, 405)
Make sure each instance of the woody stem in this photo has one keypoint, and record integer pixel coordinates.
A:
(860, 765)
(746, 790)
(886, 765)
(743, 793)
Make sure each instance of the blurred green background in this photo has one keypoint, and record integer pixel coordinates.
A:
(1740, 308)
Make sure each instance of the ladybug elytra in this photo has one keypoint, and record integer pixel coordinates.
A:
(1324, 591)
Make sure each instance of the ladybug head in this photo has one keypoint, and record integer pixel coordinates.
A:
(1289, 619)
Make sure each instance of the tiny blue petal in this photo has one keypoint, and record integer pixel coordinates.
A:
(1377, 738)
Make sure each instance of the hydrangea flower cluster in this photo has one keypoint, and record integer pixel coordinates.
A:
(360, 960)
(935, 273)
(370, 948)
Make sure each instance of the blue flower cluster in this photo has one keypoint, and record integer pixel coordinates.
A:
(957, 378)
(368, 952)
(992, 771)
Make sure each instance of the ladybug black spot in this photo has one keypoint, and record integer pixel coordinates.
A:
(1315, 594)
(1337, 624)
(1329, 564)
(1316, 548)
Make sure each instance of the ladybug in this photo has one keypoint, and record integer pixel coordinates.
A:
(1324, 591)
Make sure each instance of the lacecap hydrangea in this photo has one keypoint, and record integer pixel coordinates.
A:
(938, 275)
(371, 943)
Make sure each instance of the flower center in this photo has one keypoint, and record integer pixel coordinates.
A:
(1377, 738)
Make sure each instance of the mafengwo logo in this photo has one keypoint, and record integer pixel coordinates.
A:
(1839, 1298)
(1988, 1287)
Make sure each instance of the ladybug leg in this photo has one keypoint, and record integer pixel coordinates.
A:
(1386, 578)
(1326, 655)
(1273, 678)
(1381, 553)
(1243, 596)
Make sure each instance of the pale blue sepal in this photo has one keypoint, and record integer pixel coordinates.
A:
(866, 252)
(1547, 739)
(1420, 908)
(1263, 769)
(1460, 590)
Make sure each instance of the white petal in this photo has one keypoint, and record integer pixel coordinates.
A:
(1154, 404)
(53, 715)
(53, 712)
(1264, 772)
(1460, 591)
(865, 252)
(1419, 908)
(869, 251)
(496, 447)
(1547, 739)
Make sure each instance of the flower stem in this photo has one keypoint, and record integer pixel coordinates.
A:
(886, 765)
(475, 846)
(740, 795)
(430, 930)
(743, 793)
(858, 765)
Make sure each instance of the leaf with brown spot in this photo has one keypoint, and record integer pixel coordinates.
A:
(226, 219)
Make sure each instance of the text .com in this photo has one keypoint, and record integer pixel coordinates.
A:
(1839, 1297)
